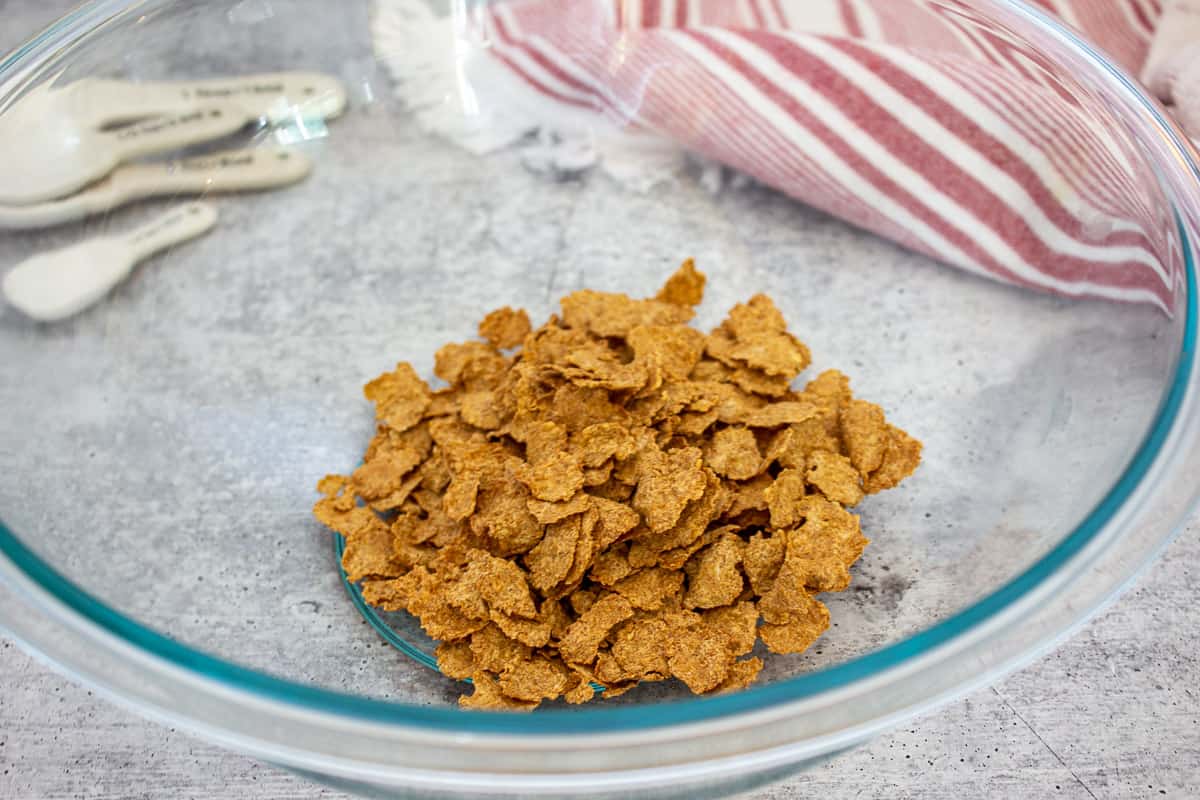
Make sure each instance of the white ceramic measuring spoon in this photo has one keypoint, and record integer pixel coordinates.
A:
(51, 158)
(273, 96)
(228, 171)
(53, 286)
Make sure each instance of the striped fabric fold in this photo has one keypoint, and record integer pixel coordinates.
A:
(916, 119)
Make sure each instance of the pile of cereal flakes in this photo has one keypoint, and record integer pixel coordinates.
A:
(619, 499)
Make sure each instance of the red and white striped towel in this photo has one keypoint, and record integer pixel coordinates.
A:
(915, 119)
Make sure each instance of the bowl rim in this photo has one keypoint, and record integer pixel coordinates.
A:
(90, 611)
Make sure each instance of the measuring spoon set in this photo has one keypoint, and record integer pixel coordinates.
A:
(82, 162)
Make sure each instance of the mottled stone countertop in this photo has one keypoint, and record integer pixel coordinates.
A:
(1112, 713)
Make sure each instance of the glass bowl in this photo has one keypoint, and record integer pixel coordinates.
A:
(161, 447)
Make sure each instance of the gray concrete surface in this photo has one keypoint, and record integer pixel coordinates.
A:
(1111, 714)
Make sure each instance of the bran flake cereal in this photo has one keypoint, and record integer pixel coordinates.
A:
(613, 498)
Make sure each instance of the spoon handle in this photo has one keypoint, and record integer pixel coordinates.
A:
(172, 132)
(55, 285)
(243, 170)
(229, 171)
(177, 225)
(274, 96)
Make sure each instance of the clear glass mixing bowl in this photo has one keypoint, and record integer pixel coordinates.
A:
(160, 449)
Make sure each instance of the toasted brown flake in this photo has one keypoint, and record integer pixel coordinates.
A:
(400, 397)
(556, 479)
(579, 407)
(717, 580)
(829, 391)
(762, 559)
(822, 550)
(760, 383)
(396, 498)
(387, 439)
(694, 520)
(900, 460)
(338, 508)
(581, 600)
(492, 650)
(549, 346)
(597, 476)
(473, 365)
(453, 432)
(615, 490)
(369, 552)
(762, 340)
(459, 500)
(865, 432)
(615, 519)
(611, 565)
(333, 488)
(698, 659)
(671, 351)
(678, 557)
(441, 621)
(733, 453)
(390, 594)
(835, 477)
(409, 555)
(502, 515)
(597, 444)
(641, 556)
(424, 596)
(741, 674)
(792, 617)
(615, 315)
(455, 659)
(480, 409)
(546, 512)
(648, 588)
(536, 679)
(533, 632)
(583, 638)
(788, 449)
(783, 498)
(640, 647)
(609, 671)
(426, 526)
(749, 495)
(443, 403)
(555, 616)
(599, 366)
(543, 439)
(779, 414)
(489, 697)
(695, 423)
(551, 560)
(732, 404)
(738, 623)
(667, 482)
(798, 634)
(719, 347)
(585, 552)
(580, 692)
(463, 595)
(502, 584)
(612, 691)
(505, 328)
(380, 479)
(685, 287)
(435, 475)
